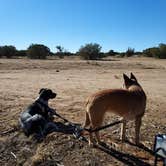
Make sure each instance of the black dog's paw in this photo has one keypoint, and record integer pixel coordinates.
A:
(38, 137)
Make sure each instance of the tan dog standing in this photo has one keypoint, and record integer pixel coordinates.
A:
(129, 103)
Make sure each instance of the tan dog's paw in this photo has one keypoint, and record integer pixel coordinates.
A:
(91, 144)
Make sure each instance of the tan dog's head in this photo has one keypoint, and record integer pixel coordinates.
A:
(128, 82)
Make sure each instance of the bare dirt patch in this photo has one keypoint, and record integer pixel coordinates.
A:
(74, 80)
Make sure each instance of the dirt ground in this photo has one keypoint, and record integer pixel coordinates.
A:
(74, 80)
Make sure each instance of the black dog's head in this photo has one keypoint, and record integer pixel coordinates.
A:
(46, 94)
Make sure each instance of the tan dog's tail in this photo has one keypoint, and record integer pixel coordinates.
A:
(87, 120)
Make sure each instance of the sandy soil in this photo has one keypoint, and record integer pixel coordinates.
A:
(74, 80)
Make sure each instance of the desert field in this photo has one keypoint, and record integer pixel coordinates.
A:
(74, 80)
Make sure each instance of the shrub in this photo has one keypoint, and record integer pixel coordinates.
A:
(63, 54)
(90, 51)
(157, 52)
(138, 53)
(111, 53)
(147, 52)
(162, 49)
(129, 52)
(21, 53)
(0, 52)
(7, 51)
(122, 54)
(152, 52)
(60, 51)
(38, 51)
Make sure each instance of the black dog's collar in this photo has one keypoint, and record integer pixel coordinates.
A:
(41, 101)
(42, 104)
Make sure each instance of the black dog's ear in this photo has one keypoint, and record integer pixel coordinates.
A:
(125, 77)
(132, 77)
(41, 90)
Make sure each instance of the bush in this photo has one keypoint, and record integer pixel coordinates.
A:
(38, 51)
(138, 53)
(7, 51)
(122, 54)
(157, 52)
(147, 52)
(0, 52)
(90, 51)
(151, 52)
(60, 51)
(111, 53)
(129, 52)
(162, 49)
(21, 53)
(63, 54)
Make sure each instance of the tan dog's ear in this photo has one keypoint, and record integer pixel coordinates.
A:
(125, 77)
(132, 77)
(127, 81)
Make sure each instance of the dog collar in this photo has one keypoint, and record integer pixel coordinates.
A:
(41, 101)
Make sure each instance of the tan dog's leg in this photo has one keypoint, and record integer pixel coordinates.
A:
(96, 121)
(123, 130)
(87, 120)
(91, 140)
(97, 137)
(92, 126)
(137, 129)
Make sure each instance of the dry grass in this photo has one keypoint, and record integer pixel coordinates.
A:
(74, 80)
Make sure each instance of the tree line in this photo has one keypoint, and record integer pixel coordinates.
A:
(90, 51)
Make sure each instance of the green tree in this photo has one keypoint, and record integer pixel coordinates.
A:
(147, 52)
(111, 53)
(59, 48)
(60, 51)
(38, 51)
(90, 51)
(162, 48)
(21, 53)
(1, 51)
(7, 51)
(129, 52)
(157, 52)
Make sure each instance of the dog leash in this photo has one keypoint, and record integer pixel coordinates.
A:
(103, 127)
(78, 129)
(9, 131)
(65, 120)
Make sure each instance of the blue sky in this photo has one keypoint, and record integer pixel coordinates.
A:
(114, 24)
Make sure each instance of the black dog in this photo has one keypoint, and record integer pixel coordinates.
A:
(36, 117)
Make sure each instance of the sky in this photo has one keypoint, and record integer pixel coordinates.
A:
(114, 24)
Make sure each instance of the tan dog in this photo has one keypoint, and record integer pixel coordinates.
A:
(129, 103)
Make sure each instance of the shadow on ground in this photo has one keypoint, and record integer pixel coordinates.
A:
(125, 158)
